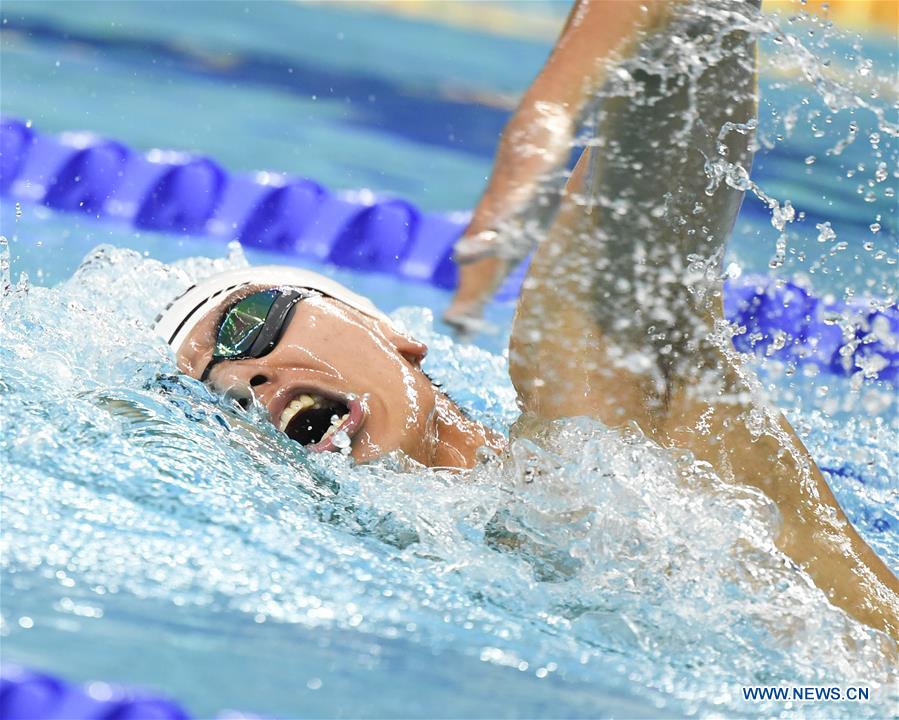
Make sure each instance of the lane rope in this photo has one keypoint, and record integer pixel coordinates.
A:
(174, 192)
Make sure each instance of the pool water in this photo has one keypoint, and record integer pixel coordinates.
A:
(157, 535)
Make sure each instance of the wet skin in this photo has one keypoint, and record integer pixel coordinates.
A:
(595, 268)
(608, 323)
(336, 352)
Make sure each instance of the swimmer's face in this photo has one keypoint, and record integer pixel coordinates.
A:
(335, 378)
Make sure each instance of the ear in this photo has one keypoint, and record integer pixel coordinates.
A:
(412, 350)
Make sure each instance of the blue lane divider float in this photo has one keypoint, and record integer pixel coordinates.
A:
(175, 192)
(29, 695)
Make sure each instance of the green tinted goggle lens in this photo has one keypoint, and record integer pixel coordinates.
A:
(252, 327)
(243, 323)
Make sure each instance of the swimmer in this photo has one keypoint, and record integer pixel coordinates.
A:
(620, 315)
(330, 368)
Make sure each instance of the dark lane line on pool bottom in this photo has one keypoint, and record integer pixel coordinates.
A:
(414, 112)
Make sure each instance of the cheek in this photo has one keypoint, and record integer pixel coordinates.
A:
(423, 393)
(410, 404)
(193, 356)
(407, 419)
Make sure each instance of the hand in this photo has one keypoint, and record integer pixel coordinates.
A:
(478, 279)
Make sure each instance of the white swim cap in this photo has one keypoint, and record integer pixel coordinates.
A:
(181, 315)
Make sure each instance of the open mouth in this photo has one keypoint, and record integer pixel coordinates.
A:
(321, 423)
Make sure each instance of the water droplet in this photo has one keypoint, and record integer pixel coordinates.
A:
(825, 232)
(5, 280)
(780, 216)
(341, 440)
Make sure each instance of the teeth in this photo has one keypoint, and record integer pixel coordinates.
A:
(303, 402)
(336, 422)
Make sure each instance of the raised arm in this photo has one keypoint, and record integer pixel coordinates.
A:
(621, 316)
(536, 144)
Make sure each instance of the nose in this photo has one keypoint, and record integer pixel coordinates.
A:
(238, 380)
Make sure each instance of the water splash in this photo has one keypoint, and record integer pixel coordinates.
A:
(593, 556)
(5, 280)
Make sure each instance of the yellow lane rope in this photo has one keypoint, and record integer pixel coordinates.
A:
(511, 19)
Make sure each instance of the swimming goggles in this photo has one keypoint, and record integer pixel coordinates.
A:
(252, 326)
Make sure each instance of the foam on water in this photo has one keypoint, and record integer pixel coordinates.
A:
(588, 554)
